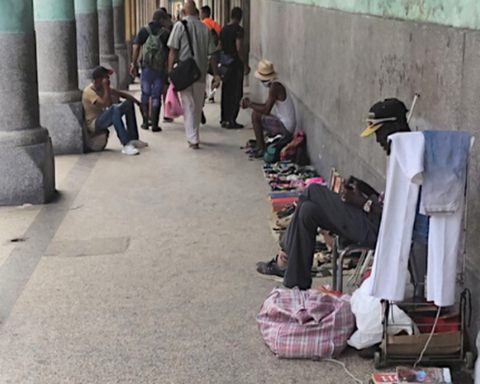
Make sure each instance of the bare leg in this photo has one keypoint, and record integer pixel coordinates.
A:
(282, 260)
(258, 129)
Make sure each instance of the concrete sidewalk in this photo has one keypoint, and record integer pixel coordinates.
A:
(143, 271)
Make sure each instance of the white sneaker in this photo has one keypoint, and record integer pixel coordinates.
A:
(139, 143)
(129, 150)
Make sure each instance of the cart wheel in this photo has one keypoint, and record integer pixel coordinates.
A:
(377, 359)
(469, 360)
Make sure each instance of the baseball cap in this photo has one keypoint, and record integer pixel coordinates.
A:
(101, 72)
(385, 111)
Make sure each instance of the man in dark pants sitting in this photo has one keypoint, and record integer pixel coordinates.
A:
(354, 214)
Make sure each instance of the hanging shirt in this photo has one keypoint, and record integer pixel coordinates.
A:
(405, 167)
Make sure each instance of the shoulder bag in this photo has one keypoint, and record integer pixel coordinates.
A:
(186, 72)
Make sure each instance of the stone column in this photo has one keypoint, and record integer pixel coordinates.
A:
(27, 171)
(120, 45)
(86, 15)
(60, 99)
(108, 58)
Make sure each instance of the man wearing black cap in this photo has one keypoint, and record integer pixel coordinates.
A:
(354, 214)
(101, 113)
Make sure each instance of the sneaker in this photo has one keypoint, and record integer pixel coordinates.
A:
(139, 143)
(130, 150)
(271, 270)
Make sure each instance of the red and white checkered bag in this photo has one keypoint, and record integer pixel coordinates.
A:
(305, 324)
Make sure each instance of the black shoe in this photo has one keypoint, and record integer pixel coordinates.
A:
(204, 119)
(223, 124)
(144, 126)
(237, 126)
(271, 270)
(167, 120)
(155, 119)
(211, 99)
(230, 125)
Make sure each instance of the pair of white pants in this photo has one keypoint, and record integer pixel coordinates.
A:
(389, 271)
(192, 101)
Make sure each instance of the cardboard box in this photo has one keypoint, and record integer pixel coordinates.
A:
(442, 344)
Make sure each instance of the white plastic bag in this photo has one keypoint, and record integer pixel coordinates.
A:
(369, 315)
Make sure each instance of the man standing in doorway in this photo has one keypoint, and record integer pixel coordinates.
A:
(231, 42)
(203, 48)
(152, 40)
(215, 29)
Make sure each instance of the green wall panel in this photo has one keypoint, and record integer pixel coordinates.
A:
(54, 10)
(457, 13)
(16, 16)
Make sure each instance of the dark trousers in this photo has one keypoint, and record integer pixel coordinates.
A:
(318, 207)
(232, 93)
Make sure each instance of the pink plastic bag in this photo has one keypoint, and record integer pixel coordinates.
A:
(173, 107)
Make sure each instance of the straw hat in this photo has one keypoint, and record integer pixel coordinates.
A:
(265, 71)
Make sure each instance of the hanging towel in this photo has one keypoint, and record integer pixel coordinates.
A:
(445, 168)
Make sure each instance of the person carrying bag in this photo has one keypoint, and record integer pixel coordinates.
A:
(191, 43)
(186, 72)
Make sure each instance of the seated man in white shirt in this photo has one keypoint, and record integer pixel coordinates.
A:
(277, 115)
(354, 214)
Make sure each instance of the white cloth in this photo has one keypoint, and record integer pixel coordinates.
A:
(285, 111)
(192, 101)
(210, 90)
(390, 267)
(394, 241)
(443, 241)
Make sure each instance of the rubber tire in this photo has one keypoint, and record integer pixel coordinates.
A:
(469, 360)
(377, 360)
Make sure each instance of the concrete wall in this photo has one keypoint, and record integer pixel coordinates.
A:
(337, 64)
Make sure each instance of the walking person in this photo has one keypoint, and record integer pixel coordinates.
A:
(233, 53)
(215, 29)
(191, 28)
(152, 41)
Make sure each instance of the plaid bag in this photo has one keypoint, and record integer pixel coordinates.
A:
(305, 324)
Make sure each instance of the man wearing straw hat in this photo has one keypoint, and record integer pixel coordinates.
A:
(277, 115)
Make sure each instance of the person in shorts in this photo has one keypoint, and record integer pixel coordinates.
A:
(277, 115)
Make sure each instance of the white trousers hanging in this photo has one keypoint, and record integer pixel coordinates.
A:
(390, 267)
(192, 102)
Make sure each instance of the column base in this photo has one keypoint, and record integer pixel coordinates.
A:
(66, 125)
(27, 173)
(123, 66)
